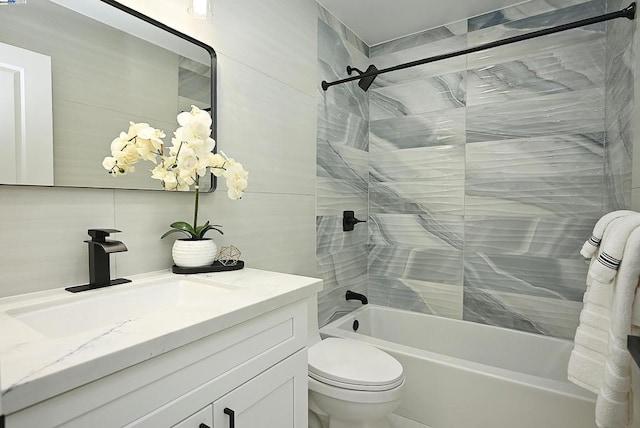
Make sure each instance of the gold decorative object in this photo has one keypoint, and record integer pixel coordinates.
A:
(228, 255)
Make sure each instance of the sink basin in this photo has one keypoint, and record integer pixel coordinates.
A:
(111, 307)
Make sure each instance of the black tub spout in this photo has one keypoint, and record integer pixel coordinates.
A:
(352, 295)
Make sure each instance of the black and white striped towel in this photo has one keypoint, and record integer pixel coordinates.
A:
(612, 246)
(591, 246)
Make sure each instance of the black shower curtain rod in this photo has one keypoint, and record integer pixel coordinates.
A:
(367, 77)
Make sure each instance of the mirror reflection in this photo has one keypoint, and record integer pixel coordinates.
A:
(74, 82)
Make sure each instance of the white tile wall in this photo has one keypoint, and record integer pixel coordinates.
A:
(274, 37)
(267, 120)
(133, 211)
(268, 126)
(42, 232)
(273, 231)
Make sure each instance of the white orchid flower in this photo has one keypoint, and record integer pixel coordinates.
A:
(195, 115)
(128, 155)
(234, 194)
(119, 143)
(135, 129)
(151, 137)
(170, 180)
(147, 152)
(184, 185)
(237, 180)
(159, 172)
(187, 159)
(182, 164)
(111, 164)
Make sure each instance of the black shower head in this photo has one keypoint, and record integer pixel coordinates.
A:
(365, 82)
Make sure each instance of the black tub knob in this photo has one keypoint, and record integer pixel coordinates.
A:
(349, 220)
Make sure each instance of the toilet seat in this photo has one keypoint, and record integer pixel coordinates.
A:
(353, 396)
(353, 365)
(356, 387)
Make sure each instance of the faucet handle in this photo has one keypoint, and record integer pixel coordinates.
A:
(349, 220)
(99, 235)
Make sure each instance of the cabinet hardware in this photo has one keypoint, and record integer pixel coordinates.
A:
(232, 417)
(203, 426)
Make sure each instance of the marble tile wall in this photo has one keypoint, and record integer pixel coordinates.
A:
(487, 172)
(635, 121)
(417, 174)
(342, 168)
(619, 100)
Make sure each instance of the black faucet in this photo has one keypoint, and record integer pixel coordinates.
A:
(352, 295)
(99, 269)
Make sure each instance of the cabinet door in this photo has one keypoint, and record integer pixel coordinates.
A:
(277, 398)
(201, 419)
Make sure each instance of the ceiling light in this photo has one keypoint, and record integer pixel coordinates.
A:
(200, 9)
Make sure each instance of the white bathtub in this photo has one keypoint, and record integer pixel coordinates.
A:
(461, 374)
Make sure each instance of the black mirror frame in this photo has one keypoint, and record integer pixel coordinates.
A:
(209, 49)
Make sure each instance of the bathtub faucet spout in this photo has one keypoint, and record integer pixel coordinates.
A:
(352, 295)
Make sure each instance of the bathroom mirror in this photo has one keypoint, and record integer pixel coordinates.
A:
(74, 73)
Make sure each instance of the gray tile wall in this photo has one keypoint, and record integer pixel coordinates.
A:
(417, 174)
(619, 102)
(486, 172)
(342, 168)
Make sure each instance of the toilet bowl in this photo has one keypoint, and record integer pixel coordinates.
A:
(351, 384)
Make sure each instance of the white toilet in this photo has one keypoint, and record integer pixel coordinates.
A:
(351, 384)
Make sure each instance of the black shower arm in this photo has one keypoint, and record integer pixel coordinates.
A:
(629, 12)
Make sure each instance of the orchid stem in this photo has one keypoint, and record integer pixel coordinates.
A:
(195, 211)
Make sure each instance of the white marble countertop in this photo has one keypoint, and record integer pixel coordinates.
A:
(36, 366)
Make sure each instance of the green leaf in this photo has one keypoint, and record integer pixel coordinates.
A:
(182, 226)
(174, 231)
(197, 233)
(199, 229)
(210, 227)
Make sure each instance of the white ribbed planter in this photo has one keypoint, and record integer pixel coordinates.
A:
(190, 253)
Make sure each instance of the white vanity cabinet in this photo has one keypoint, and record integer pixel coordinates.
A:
(201, 419)
(254, 371)
(277, 398)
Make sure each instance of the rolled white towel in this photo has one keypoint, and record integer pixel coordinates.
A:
(590, 247)
(613, 406)
(597, 321)
(586, 368)
(611, 413)
(613, 402)
(596, 312)
(598, 295)
(587, 359)
(593, 339)
(612, 248)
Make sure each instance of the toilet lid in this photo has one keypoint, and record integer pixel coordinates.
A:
(353, 365)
